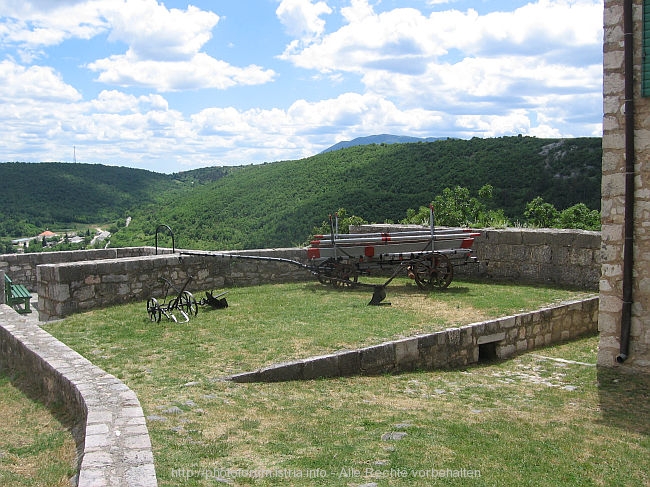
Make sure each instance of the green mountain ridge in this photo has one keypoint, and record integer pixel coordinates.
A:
(278, 204)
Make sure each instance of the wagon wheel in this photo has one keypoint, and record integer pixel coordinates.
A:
(187, 303)
(433, 271)
(324, 271)
(345, 275)
(153, 310)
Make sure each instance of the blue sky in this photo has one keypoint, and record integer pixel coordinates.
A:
(169, 86)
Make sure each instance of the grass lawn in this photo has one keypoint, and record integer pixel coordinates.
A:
(528, 421)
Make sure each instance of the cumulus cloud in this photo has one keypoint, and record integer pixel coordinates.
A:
(165, 51)
(24, 84)
(302, 18)
(200, 71)
(30, 26)
(156, 33)
(368, 38)
(164, 45)
(464, 62)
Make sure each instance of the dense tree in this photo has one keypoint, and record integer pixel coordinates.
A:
(540, 213)
(545, 215)
(579, 216)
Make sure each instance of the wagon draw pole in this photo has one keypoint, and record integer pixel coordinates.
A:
(379, 290)
(250, 257)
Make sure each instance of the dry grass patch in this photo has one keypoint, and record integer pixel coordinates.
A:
(35, 448)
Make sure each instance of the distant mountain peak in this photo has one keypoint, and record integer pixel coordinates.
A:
(380, 139)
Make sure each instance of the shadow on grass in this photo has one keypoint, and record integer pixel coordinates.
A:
(397, 289)
(35, 392)
(624, 400)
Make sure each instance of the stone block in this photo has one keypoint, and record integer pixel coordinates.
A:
(97, 459)
(431, 340)
(349, 362)
(541, 254)
(136, 442)
(378, 359)
(246, 377)
(538, 238)
(497, 337)
(97, 477)
(453, 338)
(438, 357)
(507, 322)
(507, 236)
(506, 351)
(318, 367)
(282, 372)
(97, 442)
(406, 351)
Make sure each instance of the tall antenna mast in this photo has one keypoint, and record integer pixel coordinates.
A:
(74, 153)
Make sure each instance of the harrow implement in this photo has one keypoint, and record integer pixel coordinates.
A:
(183, 303)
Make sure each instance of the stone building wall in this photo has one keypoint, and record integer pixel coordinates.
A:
(613, 196)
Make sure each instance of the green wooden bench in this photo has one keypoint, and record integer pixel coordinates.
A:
(17, 294)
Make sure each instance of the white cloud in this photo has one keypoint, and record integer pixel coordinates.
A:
(165, 51)
(20, 84)
(164, 45)
(358, 11)
(302, 18)
(113, 101)
(200, 71)
(540, 27)
(368, 39)
(536, 70)
(37, 24)
(156, 33)
(483, 68)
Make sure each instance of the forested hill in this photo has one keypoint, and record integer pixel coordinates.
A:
(278, 204)
(34, 197)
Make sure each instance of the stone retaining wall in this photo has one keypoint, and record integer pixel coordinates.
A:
(454, 347)
(112, 439)
(67, 288)
(542, 255)
(22, 267)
